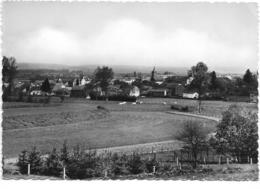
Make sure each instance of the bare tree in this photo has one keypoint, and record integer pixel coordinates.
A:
(194, 135)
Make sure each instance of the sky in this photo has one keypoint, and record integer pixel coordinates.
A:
(222, 35)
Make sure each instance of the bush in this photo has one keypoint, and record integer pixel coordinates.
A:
(180, 108)
(113, 97)
(135, 164)
(149, 165)
(23, 162)
(33, 158)
(53, 165)
(119, 165)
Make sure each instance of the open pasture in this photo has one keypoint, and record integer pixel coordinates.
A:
(208, 107)
(89, 127)
(80, 122)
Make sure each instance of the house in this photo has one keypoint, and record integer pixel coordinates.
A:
(84, 81)
(176, 89)
(158, 92)
(113, 90)
(194, 95)
(78, 92)
(189, 80)
(134, 91)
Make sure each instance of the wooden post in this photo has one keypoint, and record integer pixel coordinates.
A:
(251, 161)
(177, 161)
(29, 169)
(64, 173)
(227, 161)
(105, 173)
(204, 159)
(153, 169)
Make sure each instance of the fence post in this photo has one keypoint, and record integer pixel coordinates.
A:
(204, 159)
(29, 169)
(177, 161)
(105, 173)
(153, 169)
(227, 161)
(251, 161)
(64, 173)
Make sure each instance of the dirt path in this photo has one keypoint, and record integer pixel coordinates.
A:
(194, 115)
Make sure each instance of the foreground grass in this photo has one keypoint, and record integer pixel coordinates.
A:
(234, 172)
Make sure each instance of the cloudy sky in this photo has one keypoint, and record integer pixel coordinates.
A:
(222, 35)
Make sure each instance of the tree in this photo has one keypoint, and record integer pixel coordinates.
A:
(46, 86)
(194, 136)
(64, 154)
(103, 76)
(35, 161)
(8, 74)
(248, 77)
(200, 75)
(23, 162)
(152, 75)
(213, 81)
(53, 166)
(237, 133)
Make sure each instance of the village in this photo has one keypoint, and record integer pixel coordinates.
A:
(130, 86)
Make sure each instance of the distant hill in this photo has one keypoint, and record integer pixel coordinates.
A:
(129, 68)
(116, 68)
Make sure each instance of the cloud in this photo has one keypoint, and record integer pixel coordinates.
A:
(131, 42)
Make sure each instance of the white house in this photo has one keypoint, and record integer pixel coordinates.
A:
(194, 95)
(135, 91)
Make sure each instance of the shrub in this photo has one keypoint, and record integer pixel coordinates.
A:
(35, 161)
(53, 165)
(101, 108)
(33, 158)
(180, 108)
(119, 165)
(23, 162)
(135, 164)
(149, 165)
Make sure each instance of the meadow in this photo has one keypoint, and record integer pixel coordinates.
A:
(78, 121)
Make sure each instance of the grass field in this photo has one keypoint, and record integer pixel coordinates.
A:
(80, 122)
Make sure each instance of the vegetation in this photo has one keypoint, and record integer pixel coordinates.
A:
(194, 135)
(103, 76)
(46, 86)
(200, 79)
(9, 72)
(237, 133)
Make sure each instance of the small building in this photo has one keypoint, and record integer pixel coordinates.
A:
(194, 95)
(176, 89)
(158, 92)
(113, 90)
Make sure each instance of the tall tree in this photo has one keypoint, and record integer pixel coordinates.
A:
(200, 81)
(213, 81)
(248, 77)
(103, 76)
(152, 75)
(46, 86)
(8, 74)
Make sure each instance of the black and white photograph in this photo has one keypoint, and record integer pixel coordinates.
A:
(129, 90)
